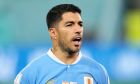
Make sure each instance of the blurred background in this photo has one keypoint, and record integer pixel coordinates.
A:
(111, 35)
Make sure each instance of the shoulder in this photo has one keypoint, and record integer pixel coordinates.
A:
(30, 71)
(36, 63)
(90, 62)
(97, 69)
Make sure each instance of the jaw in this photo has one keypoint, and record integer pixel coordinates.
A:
(69, 47)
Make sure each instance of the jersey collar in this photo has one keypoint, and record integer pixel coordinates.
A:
(52, 56)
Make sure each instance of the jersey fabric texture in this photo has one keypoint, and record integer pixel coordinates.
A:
(48, 69)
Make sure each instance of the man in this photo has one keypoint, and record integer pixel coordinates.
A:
(64, 63)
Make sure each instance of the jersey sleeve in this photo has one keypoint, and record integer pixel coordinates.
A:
(20, 79)
(105, 77)
(27, 76)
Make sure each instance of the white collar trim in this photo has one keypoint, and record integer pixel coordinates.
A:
(51, 55)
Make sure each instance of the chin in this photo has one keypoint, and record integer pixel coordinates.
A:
(76, 50)
(73, 51)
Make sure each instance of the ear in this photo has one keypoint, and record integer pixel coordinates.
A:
(53, 33)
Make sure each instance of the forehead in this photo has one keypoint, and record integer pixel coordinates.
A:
(70, 16)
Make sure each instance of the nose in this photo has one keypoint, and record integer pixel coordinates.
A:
(78, 29)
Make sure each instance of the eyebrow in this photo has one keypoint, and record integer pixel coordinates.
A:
(69, 22)
(73, 22)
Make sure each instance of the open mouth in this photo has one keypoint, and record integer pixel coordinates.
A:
(77, 39)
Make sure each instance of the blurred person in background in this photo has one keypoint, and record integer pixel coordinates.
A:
(64, 63)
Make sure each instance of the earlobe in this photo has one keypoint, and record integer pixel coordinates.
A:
(52, 33)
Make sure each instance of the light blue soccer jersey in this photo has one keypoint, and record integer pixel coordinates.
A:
(48, 69)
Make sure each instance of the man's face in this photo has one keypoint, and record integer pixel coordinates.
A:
(70, 32)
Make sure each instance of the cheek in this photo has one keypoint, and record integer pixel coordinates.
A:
(63, 36)
(66, 38)
(82, 31)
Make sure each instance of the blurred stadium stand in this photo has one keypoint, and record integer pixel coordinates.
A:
(111, 35)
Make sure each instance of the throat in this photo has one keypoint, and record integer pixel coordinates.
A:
(67, 58)
(70, 59)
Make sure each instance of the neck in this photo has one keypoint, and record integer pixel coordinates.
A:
(65, 56)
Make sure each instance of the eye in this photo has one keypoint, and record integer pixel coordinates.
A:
(69, 25)
(81, 24)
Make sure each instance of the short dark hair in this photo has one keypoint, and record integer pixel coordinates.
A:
(55, 14)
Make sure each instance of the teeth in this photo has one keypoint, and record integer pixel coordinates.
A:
(77, 38)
